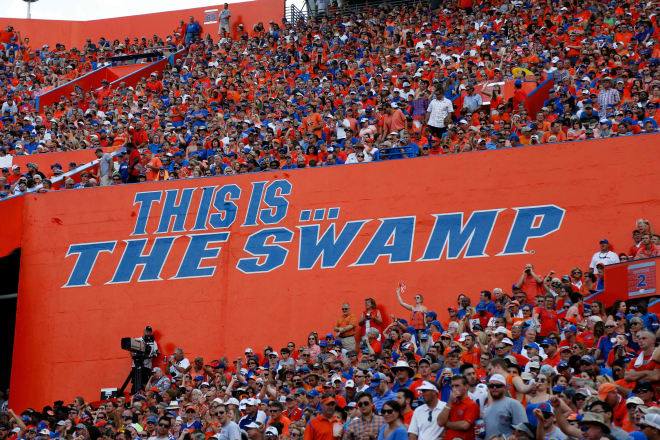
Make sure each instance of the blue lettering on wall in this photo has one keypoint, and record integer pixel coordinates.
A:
(145, 199)
(227, 209)
(549, 219)
(152, 263)
(176, 211)
(255, 201)
(87, 255)
(278, 205)
(196, 252)
(204, 208)
(256, 245)
(394, 238)
(449, 233)
(329, 248)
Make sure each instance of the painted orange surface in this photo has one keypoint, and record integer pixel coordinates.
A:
(70, 336)
(75, 33)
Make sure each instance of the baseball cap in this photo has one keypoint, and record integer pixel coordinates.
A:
(652, 420)
(497, 378)
(427, 386)
(604, 389)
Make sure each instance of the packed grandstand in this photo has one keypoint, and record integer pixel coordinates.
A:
(540, 359)
(347, 88)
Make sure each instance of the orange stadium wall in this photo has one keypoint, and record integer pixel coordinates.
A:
(75, 33)
(219, 264)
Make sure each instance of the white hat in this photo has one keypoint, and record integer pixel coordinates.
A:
(501, 330)
(349, 384)
(254, 424)
(652, 420)
(272, 430)
(44, 432)
(497, 378)
(218, 400)
(635, 401)
(507, 341)
(251, 402)
(232, 401)
(427, 386)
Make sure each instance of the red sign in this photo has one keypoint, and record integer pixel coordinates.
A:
(641, 278)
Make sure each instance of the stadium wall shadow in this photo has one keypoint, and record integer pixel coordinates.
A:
(218, 264)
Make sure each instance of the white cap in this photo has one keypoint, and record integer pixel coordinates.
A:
(272, 430)
(232, 401)
(218, 400)
(427, 386)
(507, 341)
(497, 378)
(501, 330)
(349, 384)
(652, 420)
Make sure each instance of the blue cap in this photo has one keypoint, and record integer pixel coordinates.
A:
(604, 240)
(313, 393)
(378, 378)
(514, 137)
(199, 377)
(517, 83)
(562, 364)
(571, 328)
(403, 321)
(432, 315)
(532, 345)
(548, 341)
(152, 419)
(323, 344)
(558, 389)
(330, 336)
(481, 307)
(56, 164)
(436, 323)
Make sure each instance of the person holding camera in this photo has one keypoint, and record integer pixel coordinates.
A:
(371, 317)
(178, 365)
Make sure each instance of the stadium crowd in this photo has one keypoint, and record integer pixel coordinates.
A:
(383, 83)
(544, 360)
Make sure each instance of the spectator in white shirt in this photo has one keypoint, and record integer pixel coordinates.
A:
(605, 255)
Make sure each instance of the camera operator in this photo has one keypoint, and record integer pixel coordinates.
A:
(146, 361)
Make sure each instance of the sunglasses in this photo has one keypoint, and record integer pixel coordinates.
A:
(495, 385)
(388, 411)
(363, 404)
(164, 425)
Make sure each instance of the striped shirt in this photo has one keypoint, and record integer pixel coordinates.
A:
(607, 96)
(418, 108)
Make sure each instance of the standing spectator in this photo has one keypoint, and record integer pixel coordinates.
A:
(193, 31)
(424, 424)
(134, 167)
(501, 411)
(604, 256)
(438, 114)
(460, 413)
(224, 29)
(106, 167)
(346, 326)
